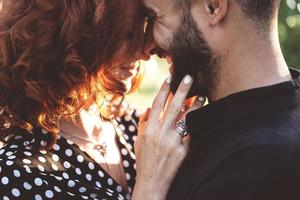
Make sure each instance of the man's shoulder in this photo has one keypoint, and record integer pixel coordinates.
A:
(253, 168)
(252, 172)
(276, 136)
(279, 127)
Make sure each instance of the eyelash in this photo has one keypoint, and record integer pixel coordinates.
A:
(150, 17)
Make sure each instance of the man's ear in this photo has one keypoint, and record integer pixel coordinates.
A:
(216, 10)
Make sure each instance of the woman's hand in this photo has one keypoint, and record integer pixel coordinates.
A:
(159, 148)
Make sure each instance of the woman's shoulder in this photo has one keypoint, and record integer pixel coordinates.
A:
(22, 153)
(15, 152)
(15, 161)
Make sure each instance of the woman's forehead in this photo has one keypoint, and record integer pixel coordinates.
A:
(131, 8)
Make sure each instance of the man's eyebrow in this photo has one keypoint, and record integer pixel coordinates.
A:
(148, 11)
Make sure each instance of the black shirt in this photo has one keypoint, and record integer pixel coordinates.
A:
(244, 146)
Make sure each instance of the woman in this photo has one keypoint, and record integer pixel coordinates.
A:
(48, 73)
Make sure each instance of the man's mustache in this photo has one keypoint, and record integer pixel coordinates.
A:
(161, 53)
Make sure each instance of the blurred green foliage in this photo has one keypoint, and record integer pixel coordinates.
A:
(289, 31)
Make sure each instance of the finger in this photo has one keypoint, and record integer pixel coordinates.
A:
(199, 103)
(190, 101)
(178, 100)
(160, 100)
(169, 100)
(144, 116)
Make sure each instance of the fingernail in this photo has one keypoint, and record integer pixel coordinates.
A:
(202, 99)
(187, 79)
(168, 80)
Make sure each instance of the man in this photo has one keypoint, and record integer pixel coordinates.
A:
(246, 142)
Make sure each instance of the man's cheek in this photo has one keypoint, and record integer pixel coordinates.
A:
(163, 39)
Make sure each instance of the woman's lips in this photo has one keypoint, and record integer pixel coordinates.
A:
(128, 72)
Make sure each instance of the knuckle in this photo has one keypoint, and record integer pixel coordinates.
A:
(159, 144)
(165, 86)
(149, 135)
(181, 152)
(157, 103)
(173, 109)
(183, 88)
(169, 146)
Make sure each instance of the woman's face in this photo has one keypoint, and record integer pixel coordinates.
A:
(124, 66)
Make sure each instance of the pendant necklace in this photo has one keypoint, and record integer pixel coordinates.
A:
(101, 148)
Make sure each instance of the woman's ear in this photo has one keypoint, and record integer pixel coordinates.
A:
(216, 10)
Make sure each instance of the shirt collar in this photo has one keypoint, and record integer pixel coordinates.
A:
(242, 105)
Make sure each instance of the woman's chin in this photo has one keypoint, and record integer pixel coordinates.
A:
(128, 74)
(128, 86)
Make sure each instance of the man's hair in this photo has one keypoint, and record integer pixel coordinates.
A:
(260, 11)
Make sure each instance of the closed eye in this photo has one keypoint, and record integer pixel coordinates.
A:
(150, 14)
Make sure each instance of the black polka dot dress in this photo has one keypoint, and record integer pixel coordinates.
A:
(64, 172)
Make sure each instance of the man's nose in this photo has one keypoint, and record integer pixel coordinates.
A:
(149, 47)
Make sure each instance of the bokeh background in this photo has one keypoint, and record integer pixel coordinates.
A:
(156, 70)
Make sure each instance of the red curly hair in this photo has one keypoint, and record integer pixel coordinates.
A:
(50, 53)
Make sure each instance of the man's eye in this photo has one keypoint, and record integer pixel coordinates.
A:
(149, 20)
(150, 17)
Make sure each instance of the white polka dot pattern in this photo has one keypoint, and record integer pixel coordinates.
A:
(64, 172)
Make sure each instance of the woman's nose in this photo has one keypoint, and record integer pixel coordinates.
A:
(149, 44)
(147, 50)
(149, 47)
(141, 55)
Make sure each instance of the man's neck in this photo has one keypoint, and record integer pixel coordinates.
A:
(252, 64)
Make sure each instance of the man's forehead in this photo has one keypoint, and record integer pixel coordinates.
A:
(150, 3)
(156, 4)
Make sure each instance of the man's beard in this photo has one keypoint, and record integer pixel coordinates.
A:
(191, 55)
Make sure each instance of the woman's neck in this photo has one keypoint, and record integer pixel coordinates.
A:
(90, 126)
(92, 131)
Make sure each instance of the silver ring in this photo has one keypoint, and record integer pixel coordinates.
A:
(181, 128)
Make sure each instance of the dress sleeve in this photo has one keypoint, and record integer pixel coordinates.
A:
(17, 180)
